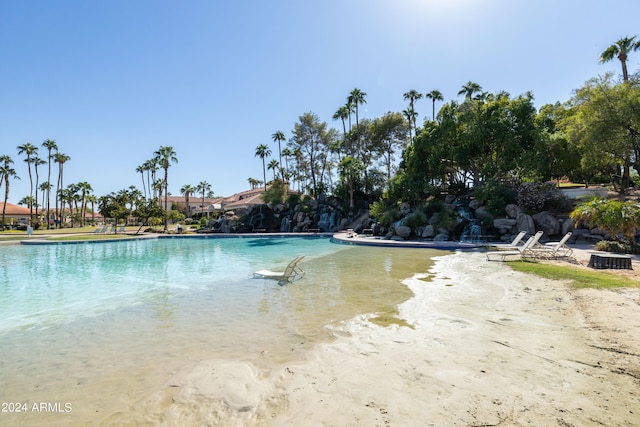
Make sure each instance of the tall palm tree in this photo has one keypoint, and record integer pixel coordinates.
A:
(287, 153)
(141, 170)
(620, 50)
(356, 97)
(6, 173)
(279, 137)
(60, 159)
(186, 190)
(50, 145)
(165, 156)
(263, 151)
(342, 114)
(29, 149)
(85, 189)
(203, 187)
(434, 95)
(413, 95)
(37, 161)
(45, 187)
(410, 115)
(469, 89)
(273, 164)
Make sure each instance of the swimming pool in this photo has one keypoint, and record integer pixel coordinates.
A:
(100, 325)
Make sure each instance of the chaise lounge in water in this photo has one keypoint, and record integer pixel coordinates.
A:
(292, 273)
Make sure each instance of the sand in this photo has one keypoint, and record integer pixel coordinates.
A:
(487, 346)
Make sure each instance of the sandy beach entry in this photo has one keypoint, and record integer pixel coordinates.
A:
(487, 346)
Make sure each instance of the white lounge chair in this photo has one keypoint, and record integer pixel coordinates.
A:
(552, 249)
(518, 251)
(290, 274)
(513, 245)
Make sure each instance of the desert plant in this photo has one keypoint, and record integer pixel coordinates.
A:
(613, 216)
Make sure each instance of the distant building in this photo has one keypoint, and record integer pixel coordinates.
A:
(14, 214)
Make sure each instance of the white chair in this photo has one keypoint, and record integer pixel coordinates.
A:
(553, 249)
(518, 251)
(513, 245)
(290, 274)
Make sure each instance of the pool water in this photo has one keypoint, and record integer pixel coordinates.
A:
(100, 326)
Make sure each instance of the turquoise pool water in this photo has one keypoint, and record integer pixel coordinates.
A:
(100, 326)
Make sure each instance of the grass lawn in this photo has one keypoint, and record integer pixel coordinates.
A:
(577, 277)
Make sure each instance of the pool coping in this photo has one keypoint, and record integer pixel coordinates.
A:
(345, 238)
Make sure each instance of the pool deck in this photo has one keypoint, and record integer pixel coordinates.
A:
(348, 238)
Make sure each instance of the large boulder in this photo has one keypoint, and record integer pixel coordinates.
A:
(403, 231)
(482, 213)
(526, 223)
(405, 208)
(567, 226)
(475, 204)
(504, 225)
(548, 223)
(442, 236)
(513, 210)
(429, 231)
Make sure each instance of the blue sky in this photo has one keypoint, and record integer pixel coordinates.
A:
(112, 81)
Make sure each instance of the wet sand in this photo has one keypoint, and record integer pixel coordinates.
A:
(486, 346)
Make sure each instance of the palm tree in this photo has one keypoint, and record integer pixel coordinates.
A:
(469, 89)
(29, 149)
(356, 98)
(45, 187)
(49, 144)
(620, 50)
(279, 137)
(203, 187)
(60, 159)
(85, 190)
(186, 190)
(6, 172)
(273, 164)
(411, 117)
(434, 95)
(37, 161)
(413, 95)
(165, 155)
(141, 170)
(263, 151)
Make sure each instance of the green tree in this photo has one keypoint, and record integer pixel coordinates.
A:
(279, 137)
(165, 156)
(186, 190)
(388, 135)
(621, 49)
(85, 190)
(434, 95)
(310, 141)
(30, 150)
(6, 174)
(413, 95)
(60, 159)
(356, 98)
(469, 88)
(37, 161)
(50, 145)
(604, 124)
(350, 169)
(263, 151)
(203, 187)
(273, 165)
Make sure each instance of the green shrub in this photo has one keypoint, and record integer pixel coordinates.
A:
(617, 247)
(495, 196)
(415, 220)
(542, 196)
